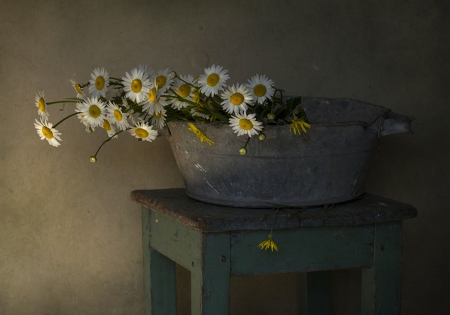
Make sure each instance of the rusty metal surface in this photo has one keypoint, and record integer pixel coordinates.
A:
(205, 217)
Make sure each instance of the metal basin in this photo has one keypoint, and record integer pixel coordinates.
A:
(329, 164)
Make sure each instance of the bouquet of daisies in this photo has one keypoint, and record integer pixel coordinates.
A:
(144, 101)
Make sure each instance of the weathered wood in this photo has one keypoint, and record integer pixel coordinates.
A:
(146, 257)
(211, 218)
(303, 249)
(215, 242)
(381, 284)
(173, 239)
(319, 293)
(210, 281)
(163, 285)
(160, 278)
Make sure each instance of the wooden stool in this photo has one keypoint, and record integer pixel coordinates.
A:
(215, 243)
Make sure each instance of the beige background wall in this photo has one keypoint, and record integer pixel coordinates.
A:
(70, 238)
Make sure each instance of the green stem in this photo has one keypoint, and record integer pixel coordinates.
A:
(248, 139)
(107, 140)
(176, 76)
(175, 95)
(133, 107)
(66, 101)
(115, 83)
(273, 222)
(76, 113)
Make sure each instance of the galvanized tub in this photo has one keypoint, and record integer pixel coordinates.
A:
(330, 164)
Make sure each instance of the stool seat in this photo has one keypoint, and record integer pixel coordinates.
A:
(216, 242)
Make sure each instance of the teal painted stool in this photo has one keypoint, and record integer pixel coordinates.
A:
(215, 243)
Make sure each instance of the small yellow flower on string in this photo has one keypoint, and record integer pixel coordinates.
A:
(268, 243)
(200, 134)
(299, 125)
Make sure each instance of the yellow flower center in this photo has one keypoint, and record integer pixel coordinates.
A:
(212, 79)
(196, 96)
(161, 81)
(47, 132)
(184, 90)
(141, 133)
(118, 115)
(158, 115)
(237, 99)
(260, 90)
(94, 111)
(99, 83)
(106, 125)
(136, 85)
(78, 89)
(152, 95)
(245, 124)
(41, 104)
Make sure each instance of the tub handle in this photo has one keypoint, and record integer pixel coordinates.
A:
(395, 123)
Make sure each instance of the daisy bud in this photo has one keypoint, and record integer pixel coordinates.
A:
(271, 116)
(93, 159)
(243, 151)
(262, 136)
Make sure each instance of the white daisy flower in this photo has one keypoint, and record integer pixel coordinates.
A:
(46, 131)
(128, 109)
(156, 106)
(82, 119)
(116, 116)
(213, 80)
(109, 128)
(148, 71)
(164, 78)
(92, 112)
(236, 99)
(261, 88)
(245, 124)
(110, 94)
(183, 90)
(136, 85)
(99, 83)
(195, 112)
(78, 89)
(153, 92)
(159, 119)
(154, 103)
(41, 105)
(143, 131)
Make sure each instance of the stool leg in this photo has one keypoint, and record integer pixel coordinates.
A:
(210, 277)
(162, 285)
(159, 276)
(381, 284)
(319, 292)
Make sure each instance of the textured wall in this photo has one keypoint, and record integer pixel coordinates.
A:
(69, 236)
